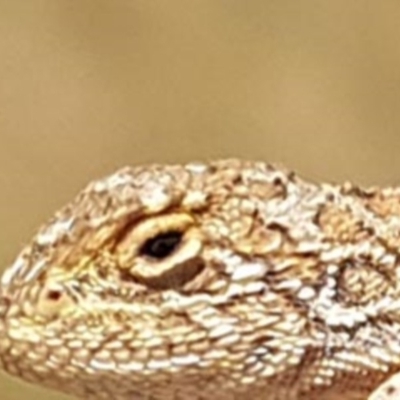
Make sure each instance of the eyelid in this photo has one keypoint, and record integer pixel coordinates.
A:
(132, 242)
(188, 250)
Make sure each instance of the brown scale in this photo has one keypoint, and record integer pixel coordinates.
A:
(385, 203)
(363, 283)
(341, 225)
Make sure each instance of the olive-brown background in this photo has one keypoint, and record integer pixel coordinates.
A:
(88, 86)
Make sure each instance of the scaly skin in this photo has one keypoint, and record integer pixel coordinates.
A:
(263, 286)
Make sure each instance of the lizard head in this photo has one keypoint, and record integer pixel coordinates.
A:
(151, 284)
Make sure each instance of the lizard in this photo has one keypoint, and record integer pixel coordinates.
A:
(226, 279)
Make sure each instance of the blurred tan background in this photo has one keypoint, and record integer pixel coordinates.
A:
(89, 86)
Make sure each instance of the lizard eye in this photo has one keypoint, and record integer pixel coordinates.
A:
(161, 245)
(161, 252)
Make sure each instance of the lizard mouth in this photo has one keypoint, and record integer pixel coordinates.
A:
(5, 303)
(4, 307)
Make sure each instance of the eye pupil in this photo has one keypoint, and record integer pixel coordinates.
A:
(162, 245)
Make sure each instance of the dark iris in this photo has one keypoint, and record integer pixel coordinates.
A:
(162, 245)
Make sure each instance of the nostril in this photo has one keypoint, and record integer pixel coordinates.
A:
(54, 295)
(53, 301)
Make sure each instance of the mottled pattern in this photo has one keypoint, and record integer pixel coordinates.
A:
(279, 288)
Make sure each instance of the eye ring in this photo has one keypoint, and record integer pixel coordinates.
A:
(162, 245)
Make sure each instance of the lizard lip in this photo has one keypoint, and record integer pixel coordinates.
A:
(4, 305)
